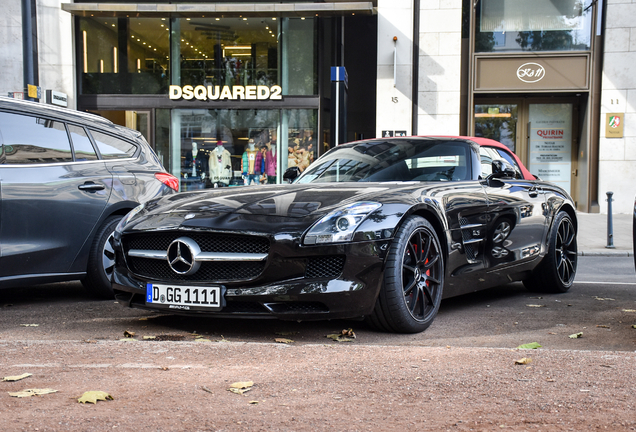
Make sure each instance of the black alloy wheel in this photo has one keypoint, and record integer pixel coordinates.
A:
(556, 272)
(413, 280)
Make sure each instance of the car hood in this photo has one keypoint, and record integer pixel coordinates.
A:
(298, 205)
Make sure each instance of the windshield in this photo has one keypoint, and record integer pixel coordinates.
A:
(393, 161)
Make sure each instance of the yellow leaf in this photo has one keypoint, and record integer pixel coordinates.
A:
(242, 384)
(534, 305)
(339, 338)
(202, 340)
(150, 337)
(629, 310)
(17, 377)
(29, 325)
(523, 361)
(253, 402)
(283, 340)
(32, 392)
(94, 396)
(576, 335)
(129, 334)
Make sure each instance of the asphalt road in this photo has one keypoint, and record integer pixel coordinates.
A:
(601, 305)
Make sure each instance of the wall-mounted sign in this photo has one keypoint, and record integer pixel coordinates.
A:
(614, 125)
(400, 133)
(56, 98)
(506, 74)
(250, 92)
(530, 72)
(16, 95)
(34, 92)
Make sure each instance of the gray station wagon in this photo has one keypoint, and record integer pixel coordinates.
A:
(66, 180)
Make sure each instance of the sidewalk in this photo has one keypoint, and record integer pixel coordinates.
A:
(592, 235)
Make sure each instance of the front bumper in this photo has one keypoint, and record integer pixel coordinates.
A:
(285, 289)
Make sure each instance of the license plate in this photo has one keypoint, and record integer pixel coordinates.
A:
(185, 297)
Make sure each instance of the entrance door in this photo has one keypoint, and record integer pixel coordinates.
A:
(542, 132)
(550, 143)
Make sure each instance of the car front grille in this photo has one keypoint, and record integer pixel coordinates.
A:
(323, 267)
(208, 242)
(209, 271)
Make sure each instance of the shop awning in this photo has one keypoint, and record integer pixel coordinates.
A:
(221, 9)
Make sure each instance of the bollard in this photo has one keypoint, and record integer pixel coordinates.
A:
(610, 225)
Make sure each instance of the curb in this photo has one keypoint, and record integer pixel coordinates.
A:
(607, 253)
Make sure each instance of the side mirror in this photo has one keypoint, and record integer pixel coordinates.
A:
(291, 174)
(502, 169)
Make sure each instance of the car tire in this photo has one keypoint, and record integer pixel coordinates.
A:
(101, 260)
(413, 280)
(556, 272)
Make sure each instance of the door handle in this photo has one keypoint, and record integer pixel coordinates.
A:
(533, 192)
(90, 186)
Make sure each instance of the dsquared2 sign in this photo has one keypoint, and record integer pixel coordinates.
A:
(250, 92)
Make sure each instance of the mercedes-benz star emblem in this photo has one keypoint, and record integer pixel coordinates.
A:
(182, 254)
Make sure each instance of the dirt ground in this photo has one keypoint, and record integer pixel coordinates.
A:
(183, 385)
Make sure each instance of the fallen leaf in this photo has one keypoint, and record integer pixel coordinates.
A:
(339, 338)
(634, 326)
(17, 377)
(149, 337)
(523, 361)
(29, 325)
(241, 387)
(202, 340)
(288, 333)
(283, 340)
(207, 389)
(629, 310)
(533, 305)
(94, 396)
(552, 333)
(129, 334)
(253, 402)
(32, 392)
(551, 380)
(348, 333)
(127, 340)
(603, 326)
(532, 345)
(165, 368)
(91, 341)
(603, 299)
(576, 335)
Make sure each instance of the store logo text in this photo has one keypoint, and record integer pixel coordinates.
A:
(530, 72)
(250, 92)
(550, 133)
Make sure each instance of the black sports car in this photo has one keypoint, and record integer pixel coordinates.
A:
(381, 229)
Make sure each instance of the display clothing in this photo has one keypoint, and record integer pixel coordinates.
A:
(270, 162)
(253, 166)
(220, 167)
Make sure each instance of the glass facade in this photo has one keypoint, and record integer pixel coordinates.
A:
(137, 55)
(208, 148)
(214, 62)
(538, 25)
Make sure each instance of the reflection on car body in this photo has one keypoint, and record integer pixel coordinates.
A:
(381, 229)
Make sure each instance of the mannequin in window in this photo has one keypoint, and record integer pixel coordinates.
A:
(220, 166)
(270, 161)
(252, 164)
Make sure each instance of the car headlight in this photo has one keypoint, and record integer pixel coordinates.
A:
(340, 225)
(130, 215)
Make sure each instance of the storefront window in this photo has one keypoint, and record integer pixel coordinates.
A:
(497, 122)
(225, 148)
(538, 25)
(229, 51)
(124, 55)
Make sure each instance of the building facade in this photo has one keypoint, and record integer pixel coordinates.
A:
(234, 92)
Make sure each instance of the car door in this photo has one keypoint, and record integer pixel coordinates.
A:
(517, 220)
(51, 196)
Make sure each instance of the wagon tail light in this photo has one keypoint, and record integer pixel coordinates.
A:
(169, 180)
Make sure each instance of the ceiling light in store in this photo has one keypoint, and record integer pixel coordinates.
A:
(187, 19)
(163, 19)
(302, 18)
(274, 19)
(218, 19)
